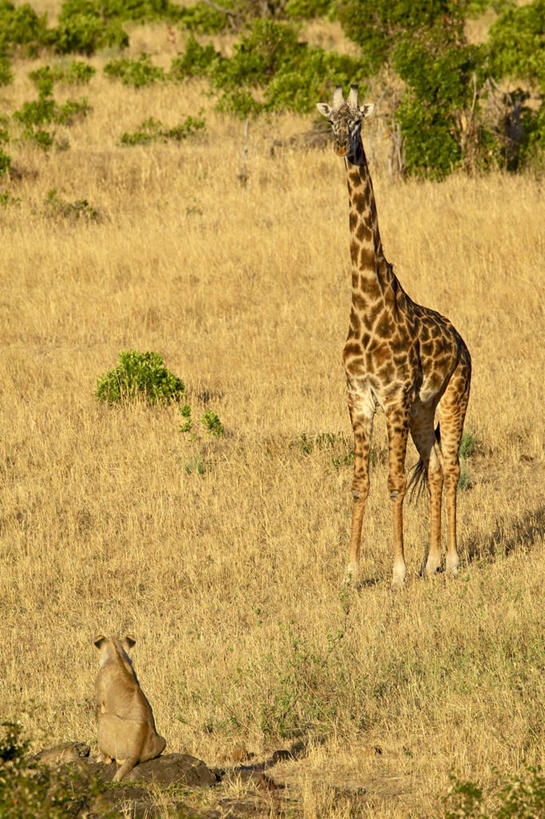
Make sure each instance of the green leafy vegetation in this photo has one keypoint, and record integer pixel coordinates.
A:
(195, 61)
(445, 104)
(21, 26)
(137, 73)
(73, 73)
(59, 208)
(28, 788)
(152, 130)
(139, 376)
(5, 162)
(6, 74)
(270, 70)
(46, 111)
(516, 796)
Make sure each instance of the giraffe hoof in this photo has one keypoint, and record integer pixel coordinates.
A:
(431, 570)
(452, 566)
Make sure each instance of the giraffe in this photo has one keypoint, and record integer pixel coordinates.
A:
(405, 358)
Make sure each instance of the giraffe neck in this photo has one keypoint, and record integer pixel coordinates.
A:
(370, 270)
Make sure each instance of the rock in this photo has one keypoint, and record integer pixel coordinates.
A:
(61, 754)
(169, 769)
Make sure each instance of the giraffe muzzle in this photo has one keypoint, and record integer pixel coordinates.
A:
(341, 149)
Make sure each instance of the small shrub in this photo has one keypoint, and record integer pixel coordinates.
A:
(137, 73)
(84, 28)
(21, 26)
(152, 130)
(213, 424)
(6, 74)
(467, 444)
(519, 796)
(309, 9)
(74, 73)
(187, 423)
(194, 464)
(204, 19)
(5, 162)
(45, 110)
(139, 375)
(194, 61)
(73, 211)
(29, 788)
(291, 75)
(7, 199)
(516, 44)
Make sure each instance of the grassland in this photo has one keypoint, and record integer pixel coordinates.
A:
(231, 580)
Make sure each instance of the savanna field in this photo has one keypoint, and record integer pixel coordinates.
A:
(224, 556)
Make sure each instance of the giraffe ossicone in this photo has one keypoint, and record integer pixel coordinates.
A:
(398, 355)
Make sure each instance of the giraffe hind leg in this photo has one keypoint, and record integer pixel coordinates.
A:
(429, 470)
(452, 410)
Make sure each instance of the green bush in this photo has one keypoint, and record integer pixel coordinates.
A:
(519, 796)
(308, 9)
(195, 61)
(137, 73)
(73, 73)
(212, 423)
(152, 130)
(21, 26)
(29, 788)
(139, 375)
(5, 162)
(46, 111)
(140, 9)
(59, 208)
(204, 19)
(516, 44)
(6, 74)
(289, 75)
(83, 28)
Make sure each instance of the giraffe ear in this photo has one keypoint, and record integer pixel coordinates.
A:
(367, 109)
(324, 109)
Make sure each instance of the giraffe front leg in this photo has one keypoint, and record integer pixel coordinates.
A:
(397, 424)
(362, 411)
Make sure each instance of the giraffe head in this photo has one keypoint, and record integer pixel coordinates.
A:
(345, 117)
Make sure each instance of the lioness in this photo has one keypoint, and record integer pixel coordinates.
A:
(126, 728)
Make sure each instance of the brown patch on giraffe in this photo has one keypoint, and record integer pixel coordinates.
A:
(380, 355)
(367, 257)
(359, 302)
(353, 219)
(363, 233)
(355, 177)
(387, 372)
(360, 201)
(369, 286)
(352, 348)
(384, 327)
(354, 250)
(355, 323)
(427, 348)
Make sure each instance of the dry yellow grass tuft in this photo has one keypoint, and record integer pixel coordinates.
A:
(231, 580)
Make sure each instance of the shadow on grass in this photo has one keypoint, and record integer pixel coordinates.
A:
(507, 536)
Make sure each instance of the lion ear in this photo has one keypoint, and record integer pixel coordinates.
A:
(324, 109)
(128, 643)
(99, 641)
(367, 109)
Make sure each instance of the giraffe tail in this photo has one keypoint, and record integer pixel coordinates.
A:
(419, 474)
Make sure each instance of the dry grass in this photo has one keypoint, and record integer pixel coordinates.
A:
(231, 580)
